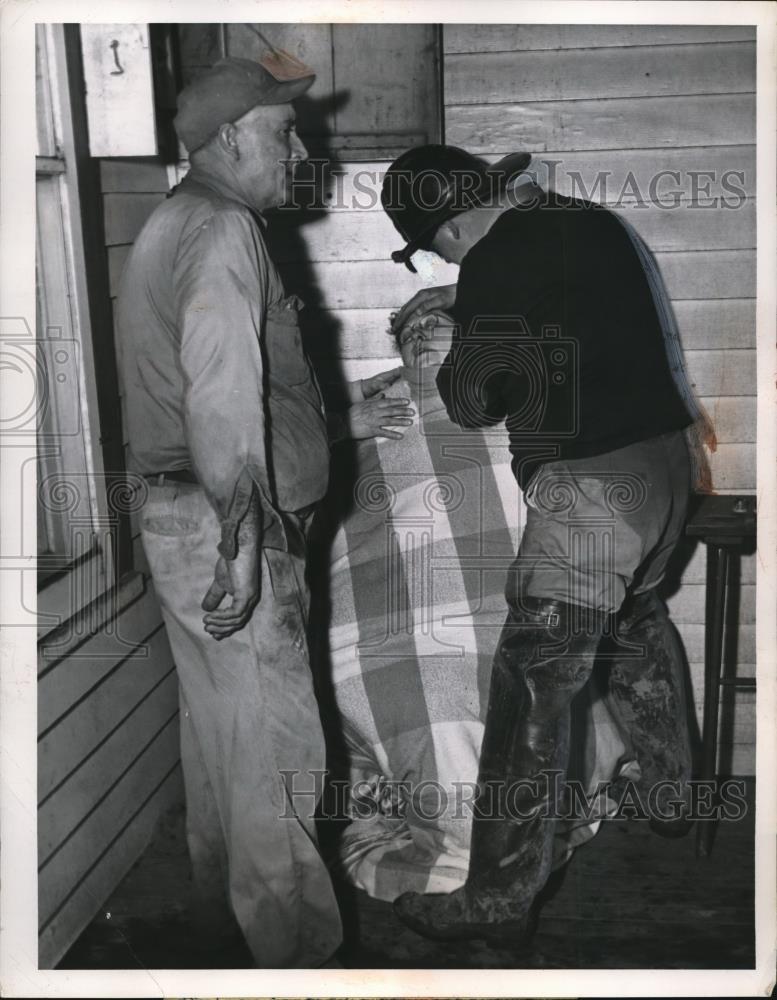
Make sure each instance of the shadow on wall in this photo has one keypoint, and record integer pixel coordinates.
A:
(288, 246)
(321, 333)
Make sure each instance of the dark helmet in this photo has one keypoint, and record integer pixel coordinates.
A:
(429, 184)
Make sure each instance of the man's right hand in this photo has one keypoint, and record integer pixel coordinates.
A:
(240, 578)
(427, 300)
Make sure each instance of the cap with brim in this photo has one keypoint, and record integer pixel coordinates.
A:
(232, 87)
(498, 176)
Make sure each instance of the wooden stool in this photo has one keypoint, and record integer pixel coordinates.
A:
(725, 524)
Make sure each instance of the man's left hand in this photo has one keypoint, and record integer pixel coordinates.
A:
(238, 577)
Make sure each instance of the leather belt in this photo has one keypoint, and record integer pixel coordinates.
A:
(173, 475)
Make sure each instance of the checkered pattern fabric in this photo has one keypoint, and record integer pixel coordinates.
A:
(428, 526)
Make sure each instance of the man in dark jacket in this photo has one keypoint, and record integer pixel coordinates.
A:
(560, 336)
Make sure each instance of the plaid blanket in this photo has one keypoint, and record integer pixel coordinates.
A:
(426, 528)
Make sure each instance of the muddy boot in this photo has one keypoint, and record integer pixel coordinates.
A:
(545, 656)
(647, 691)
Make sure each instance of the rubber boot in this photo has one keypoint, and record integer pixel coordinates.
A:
(647, 693)
(545, 656)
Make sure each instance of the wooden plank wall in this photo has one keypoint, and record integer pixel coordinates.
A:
(633, 101)
(108, 764)
(375, 91)
(108, 755)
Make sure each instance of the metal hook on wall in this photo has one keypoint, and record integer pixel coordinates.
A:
(120, 69)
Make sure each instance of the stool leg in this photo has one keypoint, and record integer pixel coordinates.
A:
(717, 578)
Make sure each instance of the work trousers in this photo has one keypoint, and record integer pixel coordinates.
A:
(250, 733)
(599, 534)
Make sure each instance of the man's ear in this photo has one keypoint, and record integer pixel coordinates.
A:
(227, 140)
(453, 228)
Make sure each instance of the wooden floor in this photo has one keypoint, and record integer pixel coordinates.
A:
(629, 899)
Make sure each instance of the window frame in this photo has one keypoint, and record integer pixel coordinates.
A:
(67, 588)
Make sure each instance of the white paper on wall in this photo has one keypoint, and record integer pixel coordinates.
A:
(119, 89)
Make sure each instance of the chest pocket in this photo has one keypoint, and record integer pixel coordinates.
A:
(286, 358)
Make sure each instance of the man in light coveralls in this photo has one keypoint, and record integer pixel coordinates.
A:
(226, 424)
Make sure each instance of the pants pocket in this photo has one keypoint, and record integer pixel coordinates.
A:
(168, 524)
(173, 514)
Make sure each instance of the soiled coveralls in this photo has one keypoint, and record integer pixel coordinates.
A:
(216, 382)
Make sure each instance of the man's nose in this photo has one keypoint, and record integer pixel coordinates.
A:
(298, 152)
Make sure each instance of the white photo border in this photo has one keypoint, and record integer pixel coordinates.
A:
(19, 974)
